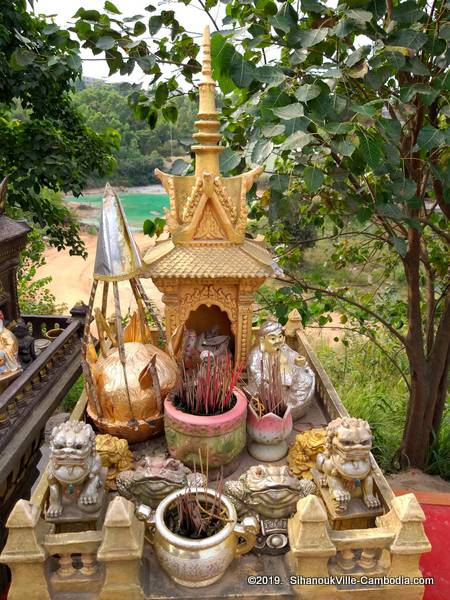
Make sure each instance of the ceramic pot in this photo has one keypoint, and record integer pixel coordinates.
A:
(268, 434)
(53, 333)
(40, 345)
(198, 563)
(220, 437)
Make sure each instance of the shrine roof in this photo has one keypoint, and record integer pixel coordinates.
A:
(249, 259)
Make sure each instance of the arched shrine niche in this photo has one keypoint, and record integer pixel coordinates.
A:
(204, 318)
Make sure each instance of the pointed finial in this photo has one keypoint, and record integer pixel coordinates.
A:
(206, 61)
(206, 150)
(117, 256)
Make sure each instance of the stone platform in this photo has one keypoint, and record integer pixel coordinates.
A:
(266, 569)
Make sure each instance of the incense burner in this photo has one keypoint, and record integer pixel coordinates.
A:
(268, 434)
(218, 438)
(201, 562)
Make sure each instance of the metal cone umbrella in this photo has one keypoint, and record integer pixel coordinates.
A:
(117, 256)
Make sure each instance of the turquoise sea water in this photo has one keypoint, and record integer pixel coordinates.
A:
(138, 207)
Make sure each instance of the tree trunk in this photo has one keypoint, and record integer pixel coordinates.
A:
(426, 404)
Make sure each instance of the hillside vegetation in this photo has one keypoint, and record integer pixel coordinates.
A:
(142, 150)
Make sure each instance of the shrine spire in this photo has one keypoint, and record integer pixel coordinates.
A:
(207, 136)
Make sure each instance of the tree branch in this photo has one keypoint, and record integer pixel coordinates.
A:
(203, 5)
(338, 296)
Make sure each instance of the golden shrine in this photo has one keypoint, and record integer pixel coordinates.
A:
(207, 269)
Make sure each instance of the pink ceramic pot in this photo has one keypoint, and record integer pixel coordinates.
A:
(268, 435)
(221, 437)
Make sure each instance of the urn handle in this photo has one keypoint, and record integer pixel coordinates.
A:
(245, 533)
(146, 514)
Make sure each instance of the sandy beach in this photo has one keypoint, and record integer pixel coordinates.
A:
(72, 275)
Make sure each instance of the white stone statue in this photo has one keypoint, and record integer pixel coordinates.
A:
(297, 378)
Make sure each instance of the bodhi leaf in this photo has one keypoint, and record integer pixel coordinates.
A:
(261, 151)
(308, 38)
(228, 160)
(313, 179)
(297, 141)
(370, 149)
(430, 137)
(289, 112)
(307, 92)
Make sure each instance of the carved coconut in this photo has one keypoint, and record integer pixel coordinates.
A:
(109, 381)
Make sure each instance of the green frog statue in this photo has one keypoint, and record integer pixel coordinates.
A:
(270, 493)
(298, 380)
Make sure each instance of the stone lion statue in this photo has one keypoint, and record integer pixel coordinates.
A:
(346, 465)
(74, 469)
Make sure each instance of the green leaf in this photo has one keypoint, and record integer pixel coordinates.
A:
(285, 19)
(270, 75)
(297, 141)
(105, 43)
(291, 111)
(409, 38)
(370, 150)
(444, 32)
(139, 28)
(344, 147)
(360, 16)
(229, 160)
(154, 24)
(261, 151)
(306, 92)
(370, 108)
(313, 179)
(170, 113)
(149, 227)
(241, 71)
(404, 188)
(430, 137)
(112, 8)
(21, 58)
(179, 167)
(313, 6)
(339, 128)
(407, 12)
(356, 56)
(161, 94)
(50, 28)
(399, 245)
(309, 37)
(273, 130)
(146, 62)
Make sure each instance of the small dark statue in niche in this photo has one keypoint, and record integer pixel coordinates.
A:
(210, 341)
(26, 343)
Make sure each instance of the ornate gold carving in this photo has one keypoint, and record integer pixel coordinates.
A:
(193, 200)
(209, 228)
(225, 199)
(224, 297)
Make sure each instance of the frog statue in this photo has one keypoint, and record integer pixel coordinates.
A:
(154, 478)
(270, 493)
(74, 471)
(297, 378)
(345, 466)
